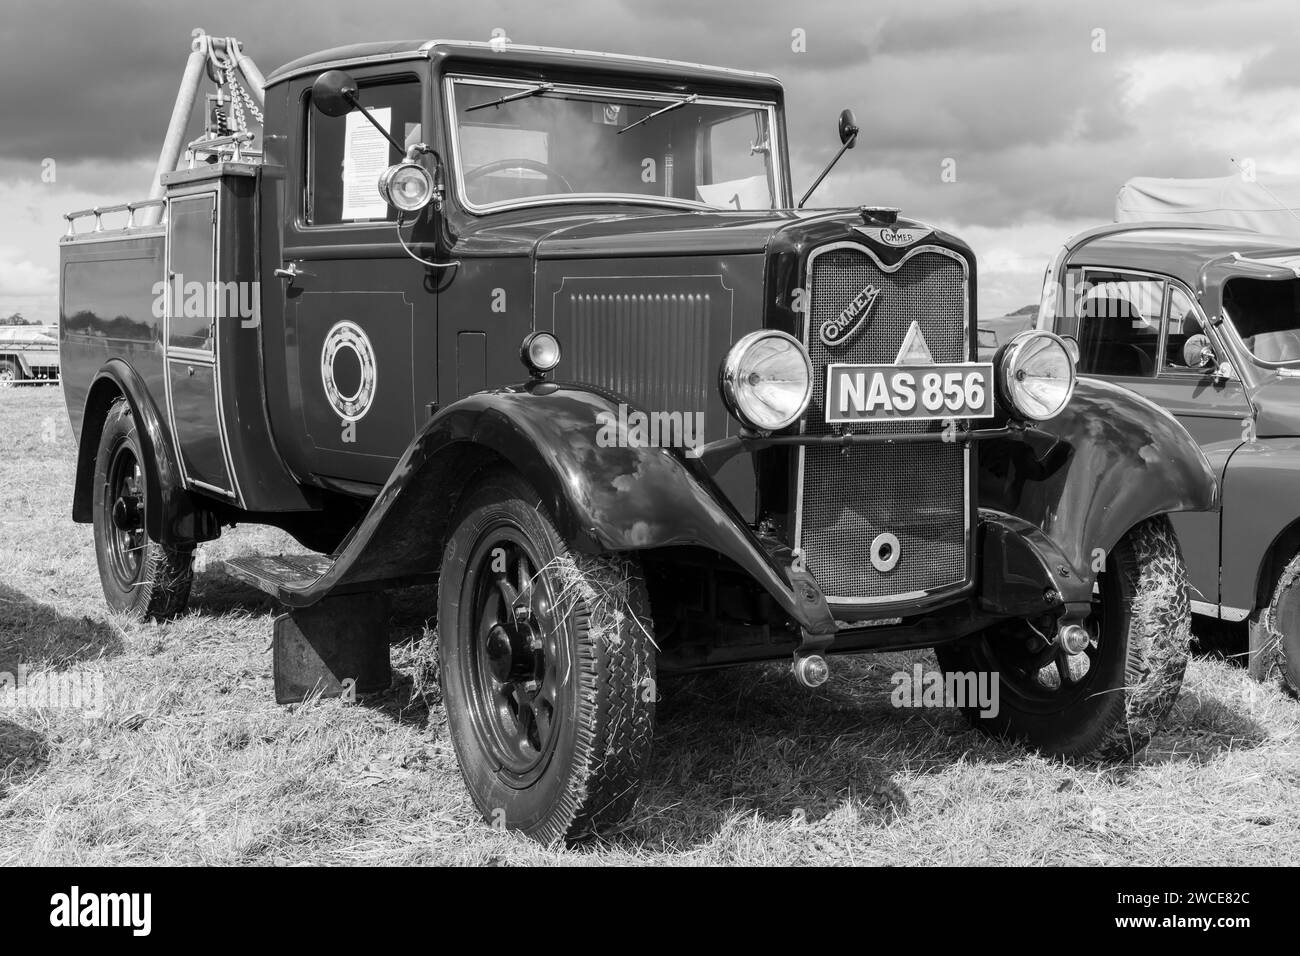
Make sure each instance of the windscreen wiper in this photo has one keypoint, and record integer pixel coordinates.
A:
(521, 95)
(667, 109)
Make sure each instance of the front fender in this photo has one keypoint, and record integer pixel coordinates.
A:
(1108, 462)
(603, 496)
(1260, 513)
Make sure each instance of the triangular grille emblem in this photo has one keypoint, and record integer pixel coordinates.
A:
(914, 350)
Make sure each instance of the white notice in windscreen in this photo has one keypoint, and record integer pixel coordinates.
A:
(365, 156)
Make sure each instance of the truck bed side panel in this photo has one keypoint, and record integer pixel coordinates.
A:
(110, 306)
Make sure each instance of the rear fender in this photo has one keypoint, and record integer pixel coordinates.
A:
(172, 516)
(1108, 462)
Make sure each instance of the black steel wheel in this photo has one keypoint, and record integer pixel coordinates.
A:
(140, 577)
(547, 664)
(9, 373)
(1108, 700)
(1274, 634)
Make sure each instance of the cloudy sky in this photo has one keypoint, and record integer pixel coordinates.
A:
(1042, 109)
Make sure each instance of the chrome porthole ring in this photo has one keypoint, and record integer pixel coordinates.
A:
(885, 552)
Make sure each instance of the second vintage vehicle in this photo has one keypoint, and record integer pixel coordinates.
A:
(1204, 321)
(742, 430)
(28, 354)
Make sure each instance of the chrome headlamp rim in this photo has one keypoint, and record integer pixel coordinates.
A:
(387, 177)
(729, 373)
(1009, 363)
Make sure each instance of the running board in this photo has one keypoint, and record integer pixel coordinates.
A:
(277, 574)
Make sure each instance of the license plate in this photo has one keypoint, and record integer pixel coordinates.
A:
(871, 393)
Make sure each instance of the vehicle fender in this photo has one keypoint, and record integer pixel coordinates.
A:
(1109, 461)
(1018, 566)
(171, 516)
(603, 496)
(1261, 514)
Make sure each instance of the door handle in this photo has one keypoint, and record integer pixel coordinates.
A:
(290, 272)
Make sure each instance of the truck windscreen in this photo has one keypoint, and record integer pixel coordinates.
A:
(516, 143)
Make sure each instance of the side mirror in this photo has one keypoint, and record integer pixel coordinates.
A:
(848, 129)
(334, 93)
(1197, 352)
(848, 139)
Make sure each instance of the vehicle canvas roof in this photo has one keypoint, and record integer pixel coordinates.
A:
(1265, 202)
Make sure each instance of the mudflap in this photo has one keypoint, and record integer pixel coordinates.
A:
(336, 647)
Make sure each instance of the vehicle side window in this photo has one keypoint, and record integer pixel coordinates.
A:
(1183, 323)
(1119, 323)
(345, 154)
(192, 265)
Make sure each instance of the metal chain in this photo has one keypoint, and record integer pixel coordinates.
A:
(240, 99)
(249, 103)
(236, 105)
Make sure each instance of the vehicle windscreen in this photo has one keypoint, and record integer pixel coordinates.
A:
(1266, 315)
(524, 142)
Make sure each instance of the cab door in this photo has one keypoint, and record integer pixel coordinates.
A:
(1131, 329)
(359, 320)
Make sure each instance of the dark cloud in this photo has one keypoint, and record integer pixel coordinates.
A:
(1013, 92)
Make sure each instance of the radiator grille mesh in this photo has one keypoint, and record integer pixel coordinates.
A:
(916, 491)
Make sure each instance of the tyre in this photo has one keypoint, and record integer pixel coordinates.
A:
(140, 577)
(547, 663)
(1274, 634)
(9, 373)
(1108, 701)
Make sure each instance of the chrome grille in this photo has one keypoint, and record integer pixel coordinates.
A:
(917, 491)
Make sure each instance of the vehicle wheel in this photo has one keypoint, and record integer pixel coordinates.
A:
(547, 663)
(1108, 701)
(1274, 631)
(9, 373)
(140, 576)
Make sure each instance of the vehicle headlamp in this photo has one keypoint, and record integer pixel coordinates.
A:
(540, 352)
(1036, 374)
(408, 186)
(766, 380)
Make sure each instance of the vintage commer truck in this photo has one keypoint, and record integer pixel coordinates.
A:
(548, 328)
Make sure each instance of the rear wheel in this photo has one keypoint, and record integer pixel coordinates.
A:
(547, 665)
(9, 373)
(1275, 634)
(140, 577)
(1109, 700)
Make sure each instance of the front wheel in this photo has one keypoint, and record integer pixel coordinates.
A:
(140, 577)
(547, 662)
(1274, 634)
(1109, 700)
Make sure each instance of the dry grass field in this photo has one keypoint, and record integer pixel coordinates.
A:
(192, 762)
